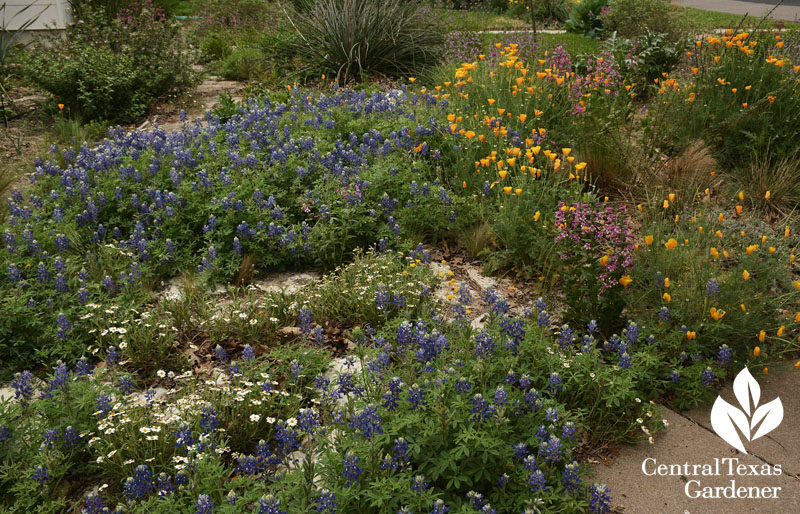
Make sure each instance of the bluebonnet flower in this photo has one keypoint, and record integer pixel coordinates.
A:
(439, 507)
(499, 306)
(51, 438)
(520, 450)
(164, 485)
(14, 275)
(5, 434)
(41, 475)
(93, 504)
(416, 396)
(220, 354)
(295, 368)
(481, 409)
(631, 333)
(503, 480)
(140, 484)
(318, 336)
(542, 433)
(103, 404)
(125, 384)
(500, 396)
(420, 486)
(400, 456)
(484, 345)
(543, 319)
(326, 503)
(231, 497)
(513, 327)
(83, 368)
(64, 325)
(708, 377)
(208, 420)
(307, 420)
(532, 400)
(462, 386)
(476, 499)
(22, 384)
(268, 504)
(554, 383)
(725, 355)
(675, 376)
(624, 360)
(565, 337)
(367, 422)
(536, 479)
(600, 501)
(568, 430)
(204, 504)
(663, 314)
(42, 273)
(59, 381)
(712, 288)
(551, 449)
(71, 437)
(351, 471)
(570, 477)
(304, 315)
(286, 439)
(551, 415)
(112, 356)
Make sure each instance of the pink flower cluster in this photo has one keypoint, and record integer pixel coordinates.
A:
(593, 231)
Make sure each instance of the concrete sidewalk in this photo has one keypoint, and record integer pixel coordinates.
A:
(788, 11)
(690, 439)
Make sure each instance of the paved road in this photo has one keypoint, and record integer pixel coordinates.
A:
(789, 10)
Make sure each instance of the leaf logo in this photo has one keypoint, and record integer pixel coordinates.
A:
(727, 418)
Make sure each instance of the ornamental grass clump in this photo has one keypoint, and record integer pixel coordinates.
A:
(348, 39)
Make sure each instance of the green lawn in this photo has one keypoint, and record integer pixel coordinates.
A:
(702, 20)
(474, 21)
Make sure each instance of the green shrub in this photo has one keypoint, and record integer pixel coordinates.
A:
(647, 57)
(633, 19)
(556, 10)
(115, 70)
(215, 47)
(584, 18)
(243, 63)
(351, 38)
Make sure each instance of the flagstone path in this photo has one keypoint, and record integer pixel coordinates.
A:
(690, 439)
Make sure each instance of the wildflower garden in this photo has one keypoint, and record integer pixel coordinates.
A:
(634, 181)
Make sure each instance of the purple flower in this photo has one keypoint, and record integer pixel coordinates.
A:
(22, 384)
(416, 396)
(367, 422)
(204, 504)
(600, 501)
(41, 475)
(352, 471)
(268, 504)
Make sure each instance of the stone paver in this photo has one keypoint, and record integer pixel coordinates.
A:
(788, 11)
(690, 440)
